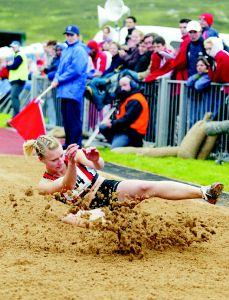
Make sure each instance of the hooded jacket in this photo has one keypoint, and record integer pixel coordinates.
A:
(100, 58)
(219, 72)
(72, 72)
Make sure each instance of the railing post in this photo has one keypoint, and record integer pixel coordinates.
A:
(182, 113)
(162, 114)
(34, 87)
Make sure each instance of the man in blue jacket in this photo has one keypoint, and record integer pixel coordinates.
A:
(70, 80)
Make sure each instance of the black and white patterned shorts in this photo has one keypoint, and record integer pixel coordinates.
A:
(105, 194)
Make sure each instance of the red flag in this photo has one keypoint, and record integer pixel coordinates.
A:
(29, 123)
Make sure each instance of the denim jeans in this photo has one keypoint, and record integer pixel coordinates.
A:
(115, 139)
(16, 89)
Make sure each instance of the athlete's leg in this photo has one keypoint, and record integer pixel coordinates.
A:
(164, 189)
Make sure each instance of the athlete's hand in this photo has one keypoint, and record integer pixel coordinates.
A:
(91, 154)
(71, 153)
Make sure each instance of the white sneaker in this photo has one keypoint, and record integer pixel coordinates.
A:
(211, 193)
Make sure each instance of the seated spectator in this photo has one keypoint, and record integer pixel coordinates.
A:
(159, 57)
(130, 54)
(200, 80)
(52, 68)
(99, 58)
(116, 62)
(135, 38)
(49, 49)
(143, 61)
(148, 40)
(106, 38)
(130, 123)
(206, 21)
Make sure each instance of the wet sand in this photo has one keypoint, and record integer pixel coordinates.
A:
(164, 249)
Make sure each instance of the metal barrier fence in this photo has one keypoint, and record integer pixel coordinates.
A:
(180, 107)
(174, 108)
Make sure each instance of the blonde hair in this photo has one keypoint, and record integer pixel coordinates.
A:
(40, 145)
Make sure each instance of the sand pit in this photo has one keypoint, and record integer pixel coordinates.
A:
(158, 250)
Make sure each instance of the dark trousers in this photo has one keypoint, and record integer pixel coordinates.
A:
(16, 88)
(71, 111)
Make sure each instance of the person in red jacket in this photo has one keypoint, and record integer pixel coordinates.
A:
(159, 57)
(99, 58)
(178, 64)
(219, 71)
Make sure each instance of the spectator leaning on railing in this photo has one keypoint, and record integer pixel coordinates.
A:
(199, 105)
(160, 56)
(195, 47)
(219, 70)
(200, 80)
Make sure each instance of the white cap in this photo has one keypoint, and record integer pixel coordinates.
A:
(193, 25)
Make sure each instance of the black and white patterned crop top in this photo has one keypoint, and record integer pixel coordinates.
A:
(86, 177)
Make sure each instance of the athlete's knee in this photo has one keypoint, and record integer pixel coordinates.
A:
(146, 188)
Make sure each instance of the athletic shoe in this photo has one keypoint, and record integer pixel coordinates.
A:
(211, 193)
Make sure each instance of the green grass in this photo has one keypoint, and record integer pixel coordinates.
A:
(3, 119)
(190, 170)
(43, 20)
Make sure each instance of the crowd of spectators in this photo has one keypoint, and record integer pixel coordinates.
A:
(201, 58)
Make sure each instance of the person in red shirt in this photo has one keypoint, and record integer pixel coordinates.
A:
(219, 71)
(159, 57)
(99, 58)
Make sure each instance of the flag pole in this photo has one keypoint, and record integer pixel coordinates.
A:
(96, 131)
(44, 93)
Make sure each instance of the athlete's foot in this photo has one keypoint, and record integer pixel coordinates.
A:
(75, 220)
(212, 192)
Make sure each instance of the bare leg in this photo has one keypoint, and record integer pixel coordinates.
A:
(169, 190)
